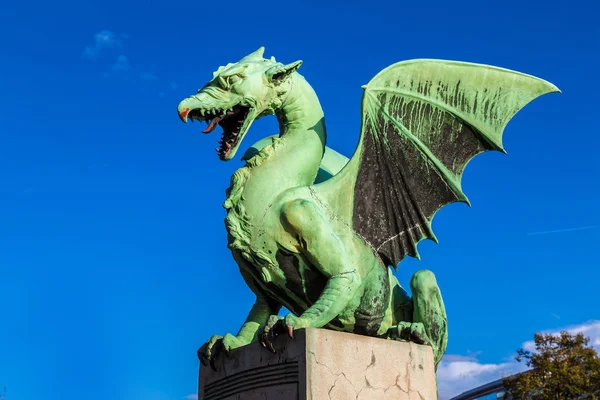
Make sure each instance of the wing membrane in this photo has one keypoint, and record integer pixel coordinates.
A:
(422, 122)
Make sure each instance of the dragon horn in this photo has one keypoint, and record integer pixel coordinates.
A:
(280, 71)
(255, 55)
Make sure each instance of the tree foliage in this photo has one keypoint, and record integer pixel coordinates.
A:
(562, 367)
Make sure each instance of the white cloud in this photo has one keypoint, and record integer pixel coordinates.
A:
(103, 40)
(589, 329)
(456, 376)
(459, 373)
(471, 356)
(191, 397)
(122, 64)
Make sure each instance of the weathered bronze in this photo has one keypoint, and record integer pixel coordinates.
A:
(316, 232)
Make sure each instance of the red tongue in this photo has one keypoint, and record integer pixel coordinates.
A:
(212, 126)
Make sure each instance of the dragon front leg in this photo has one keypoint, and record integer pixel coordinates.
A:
(247, 334)
(318, 242)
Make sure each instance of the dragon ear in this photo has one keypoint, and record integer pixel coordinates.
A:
(280, 73)
(221, 69)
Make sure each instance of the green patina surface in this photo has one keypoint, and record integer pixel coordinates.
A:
(316, 232)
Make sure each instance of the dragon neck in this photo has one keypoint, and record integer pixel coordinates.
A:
(302, 132)
(301, 116)
(293, 159)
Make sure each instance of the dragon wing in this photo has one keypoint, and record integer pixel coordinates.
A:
(422, 122)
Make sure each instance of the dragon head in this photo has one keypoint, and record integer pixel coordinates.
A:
(237, 95)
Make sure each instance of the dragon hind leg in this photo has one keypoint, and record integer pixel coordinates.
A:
(428, 324)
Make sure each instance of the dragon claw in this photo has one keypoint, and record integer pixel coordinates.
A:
(275, 327)
(266, 341)
(208, 353)
(413, 332)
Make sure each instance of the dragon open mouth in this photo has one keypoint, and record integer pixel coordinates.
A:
(232, 120)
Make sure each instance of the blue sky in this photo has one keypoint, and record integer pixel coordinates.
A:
(113, 260)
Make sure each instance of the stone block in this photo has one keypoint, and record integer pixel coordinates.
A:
(320, 364)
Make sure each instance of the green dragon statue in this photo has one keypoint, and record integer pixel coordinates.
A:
(317, 233)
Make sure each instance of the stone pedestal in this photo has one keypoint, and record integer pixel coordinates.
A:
(319, 364)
